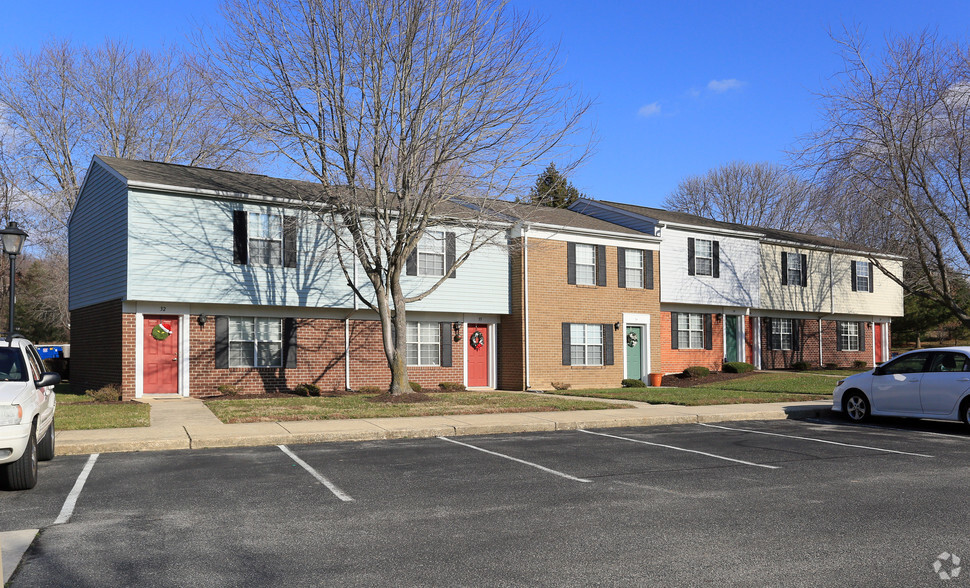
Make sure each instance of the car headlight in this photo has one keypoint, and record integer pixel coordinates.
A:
(11, 414)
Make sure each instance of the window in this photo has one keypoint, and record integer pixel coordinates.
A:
(255, 342)
(781, 334)
(431, 254)
(586, 264)
(265, 239)
(585, 344)
(633, 268)
(424, 344)
(703, 257)
(861, 276)
(690, 330)
(849, 336)
(913, 363)
(949, 361)
(794, 271)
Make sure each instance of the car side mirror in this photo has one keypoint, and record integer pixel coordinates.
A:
(48, 379)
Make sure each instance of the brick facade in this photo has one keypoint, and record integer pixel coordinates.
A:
(808, 346)
(552, 302)
(676, 360)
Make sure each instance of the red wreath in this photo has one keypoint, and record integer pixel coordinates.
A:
(477, 340)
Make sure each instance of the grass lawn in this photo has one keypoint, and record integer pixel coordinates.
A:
(77, 411)
(756, 388)
(358, 406)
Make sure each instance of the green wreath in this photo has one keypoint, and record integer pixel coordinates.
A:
(477, 340)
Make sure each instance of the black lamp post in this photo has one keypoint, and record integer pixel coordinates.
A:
(13, 238)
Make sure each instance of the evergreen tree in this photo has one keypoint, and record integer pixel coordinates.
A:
(553, 189)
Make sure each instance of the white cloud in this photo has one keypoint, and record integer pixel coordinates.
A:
(648, 110)
(721, 86)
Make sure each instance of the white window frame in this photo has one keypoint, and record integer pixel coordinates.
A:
(261, 230)
(585, 261)
(690, 330)
(706, 268)
(633, 272)
(255, 341)
(583, 347)
(860, 279)
(431, 251)
(423, 336)
(848, 339)
(781, 328)
(795, 265)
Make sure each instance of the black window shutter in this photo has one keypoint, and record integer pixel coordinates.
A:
(648, 270)
(450, 254)
(289, 342)
(804, 270)
(566, 357)
(796, 331)
(607, 344)
(240, 237)
(674, 341)
(601, 265)
(708, 332)
(290, 225)
(862, 336)
(411, 264)
(854, 275)
(570, 265)
(222, 342)
(784, 268)
(768, 333)
(716, 263)
(621, 267)
(838, 330)
(690, 256)
(872, 278)
(445, 344)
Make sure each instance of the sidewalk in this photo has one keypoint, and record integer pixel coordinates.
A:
(185, 423)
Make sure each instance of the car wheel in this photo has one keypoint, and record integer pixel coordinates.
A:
(965, 411)
(856, 407)
(22, 474)
(45, 449)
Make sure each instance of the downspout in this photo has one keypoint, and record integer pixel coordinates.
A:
(820, 362)
(347, 352)
(874, 339)
(525, 295)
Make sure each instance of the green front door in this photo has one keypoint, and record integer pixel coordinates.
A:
(731, 337)
(634, 336)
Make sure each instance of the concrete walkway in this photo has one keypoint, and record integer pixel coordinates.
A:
(185, 423)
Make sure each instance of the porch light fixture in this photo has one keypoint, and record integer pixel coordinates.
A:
(13, 238)
(616, 326)
(202, 320)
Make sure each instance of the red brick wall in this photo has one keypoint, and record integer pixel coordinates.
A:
(830, 354)
(96, 347)
(809, 347)
(676, 360)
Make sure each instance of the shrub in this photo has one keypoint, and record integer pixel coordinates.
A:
(307, 390)
(831, 366)
(800, 366)
(859, 364)
(697, 371)
(451, 386)
(560, 385)
(228, 389)
(737, 367)
(109, 393)
(369, 390)
(633, 383)
(415, 387)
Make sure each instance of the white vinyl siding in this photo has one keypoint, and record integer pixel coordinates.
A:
(634, 268)
(849, 336)
(739, 286)
(703, 257)
(781, 334)
(424, 344)
(586, 264)
(585, 344)
(255, 342)
(690, 331)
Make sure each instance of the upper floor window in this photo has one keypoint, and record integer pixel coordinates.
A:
(431, 254)
(633, 268)
(794, 269)
(424, 344)
(849, 336)
(861, 276)
(781, 334)
(265, 239)
(585, 344)
(703, 257)
(255, 342)
(586, 264)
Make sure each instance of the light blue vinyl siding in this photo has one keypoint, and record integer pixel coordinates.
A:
(480, 285)
(97, 240)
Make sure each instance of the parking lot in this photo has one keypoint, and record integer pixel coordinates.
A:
(748, 503)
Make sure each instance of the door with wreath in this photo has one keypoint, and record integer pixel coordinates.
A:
(160, 370)
(477, 355)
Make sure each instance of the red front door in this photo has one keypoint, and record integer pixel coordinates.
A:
(877, 335)
(160, 345)
(477, 355)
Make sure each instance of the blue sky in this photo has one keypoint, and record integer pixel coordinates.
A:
(679, 87)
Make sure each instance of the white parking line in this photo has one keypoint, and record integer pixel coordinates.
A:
(884, 428)
(330, 486)
(522, 461)
(757, 465)
(814, 439)
(67, 511)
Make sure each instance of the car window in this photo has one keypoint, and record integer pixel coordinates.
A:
(36, 364)
(12, 366)
(907, 364)
(948, 361)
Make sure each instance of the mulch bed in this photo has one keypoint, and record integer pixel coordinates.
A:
(681, 381)
(386, 397)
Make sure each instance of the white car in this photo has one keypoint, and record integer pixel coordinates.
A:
(926, 383)
(27, 404)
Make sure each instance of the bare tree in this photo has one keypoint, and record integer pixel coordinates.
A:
(896, 142)
(410, 113)
(754, 194)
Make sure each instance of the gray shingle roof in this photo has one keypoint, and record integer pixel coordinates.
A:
(562, 217)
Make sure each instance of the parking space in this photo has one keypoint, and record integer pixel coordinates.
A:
(588, 504)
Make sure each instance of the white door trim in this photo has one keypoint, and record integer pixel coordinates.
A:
(642, 321)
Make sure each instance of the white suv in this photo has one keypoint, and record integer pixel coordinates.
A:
(27, 405)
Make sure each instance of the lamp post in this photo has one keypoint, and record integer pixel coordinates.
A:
(13, 238)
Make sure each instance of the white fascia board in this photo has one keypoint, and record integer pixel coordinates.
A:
(709, 230)
(704, 308)
(831, 249)
(591, 236)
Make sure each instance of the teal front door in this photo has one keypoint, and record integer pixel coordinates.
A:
(731, 338)
(634, 336)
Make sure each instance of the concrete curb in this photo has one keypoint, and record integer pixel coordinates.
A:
(13, 546)
(203, 436)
